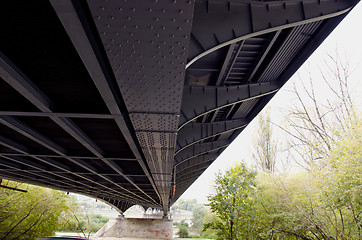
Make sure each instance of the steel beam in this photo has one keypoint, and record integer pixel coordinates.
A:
(199, 149)
(193, 133)
(22, 84)
(60, 115)
(83, 40)
(25, 130)
(191, 163)
(190, 174)
(68, 171)
(197, 166)
(198, 101)
(71, 156)
(221, 23)
(229, 63)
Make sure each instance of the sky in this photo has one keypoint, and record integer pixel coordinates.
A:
(347, 38)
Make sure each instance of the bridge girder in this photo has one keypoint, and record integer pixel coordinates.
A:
(121, 100)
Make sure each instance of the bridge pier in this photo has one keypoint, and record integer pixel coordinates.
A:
(139, 228)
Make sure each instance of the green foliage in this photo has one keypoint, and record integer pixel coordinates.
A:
(322, 203)
(231, 203)
(30, 215)
(78, 222)
(265, 147)
(198, 214)
(186, 205)
(183, 229)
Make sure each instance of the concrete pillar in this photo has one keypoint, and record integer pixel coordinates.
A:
(137, 228)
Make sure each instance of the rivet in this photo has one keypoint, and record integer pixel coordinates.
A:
(173, 20)
(181, 11)
(152, 42)
(128, 18)
(136, 26)
(187, 20)
(103, 33)
(120, 9)
(156, 19)
(157, 34)
(172, 35)
(111, 17)
(124, 26)
(155, 1)
(131, 34)
(163, 27)
(151, 27)
(174, 1)
(98, 17)
(138, 41)
(185, 36)
(179, 28)
(101, 8)
(108, 25)
(150, 9)
(133, 9)
(163, 10)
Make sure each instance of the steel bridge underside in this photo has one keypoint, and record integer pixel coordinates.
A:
(131, 101)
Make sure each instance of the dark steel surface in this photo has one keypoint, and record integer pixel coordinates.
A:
(127, 100)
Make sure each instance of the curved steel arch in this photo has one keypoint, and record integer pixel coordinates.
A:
(248, 19)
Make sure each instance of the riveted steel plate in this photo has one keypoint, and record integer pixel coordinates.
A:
(155, 122)
(147, 45)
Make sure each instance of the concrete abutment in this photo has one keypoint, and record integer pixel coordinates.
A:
(139, 228)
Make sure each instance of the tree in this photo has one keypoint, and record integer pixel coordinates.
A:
(265, 147)
(198, 214)
(231, 202)
(32, 214)
(315, 122)
(183, 229)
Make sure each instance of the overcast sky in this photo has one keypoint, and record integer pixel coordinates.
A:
(347, 37)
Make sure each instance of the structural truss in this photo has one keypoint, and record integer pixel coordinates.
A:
(130, 101)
